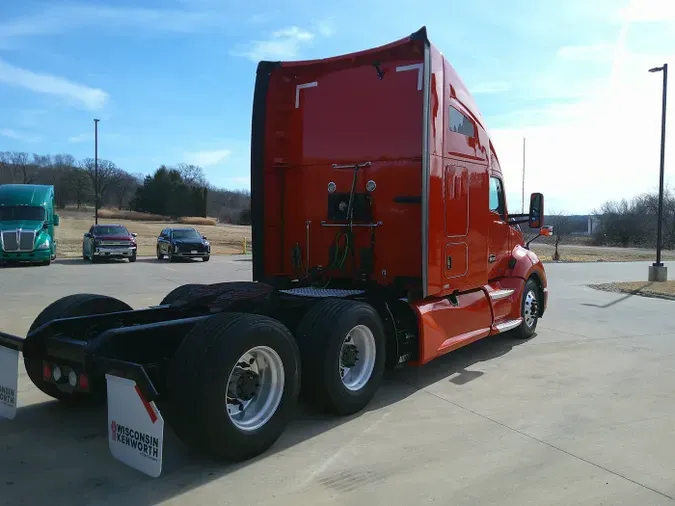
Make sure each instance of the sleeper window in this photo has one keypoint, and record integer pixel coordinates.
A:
(496, 196)
(460, 124)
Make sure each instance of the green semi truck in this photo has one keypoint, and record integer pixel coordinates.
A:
(27, 221)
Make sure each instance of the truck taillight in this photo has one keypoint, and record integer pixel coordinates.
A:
(84, 382)
(46, 371)
(72, 378)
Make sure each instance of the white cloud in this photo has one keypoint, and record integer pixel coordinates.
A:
(324, 28)
(66, 17)
(601, 139)
(606, 148)
(282, 44)
(13, 134)
(207, 158)
(8, 132)
(79, 94)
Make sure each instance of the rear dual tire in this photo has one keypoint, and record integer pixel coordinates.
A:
(343, 349)
(223, 408)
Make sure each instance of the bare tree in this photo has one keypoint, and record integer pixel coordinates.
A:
(561, 229)
(58, 174)
(24, 171)
(6, 169)
(192, 174)
(122, 186)
(81, 185)
(100, 178)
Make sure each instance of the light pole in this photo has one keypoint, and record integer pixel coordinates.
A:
(658, 271)
(96, 120)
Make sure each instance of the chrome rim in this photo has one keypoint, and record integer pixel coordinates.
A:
(357, 358)
(530, 309)
(255, 388)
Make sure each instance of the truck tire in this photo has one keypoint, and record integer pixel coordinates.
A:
(81, 304)
(212, 362)
(179, 292)
(529, 310)
(334, 334)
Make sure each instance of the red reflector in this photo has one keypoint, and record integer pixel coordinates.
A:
(84, 381)
(46, 371)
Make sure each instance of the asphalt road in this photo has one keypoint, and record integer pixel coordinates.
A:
(580, 414)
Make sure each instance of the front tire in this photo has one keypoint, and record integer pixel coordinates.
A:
(206, 258)
(159, 254)
(233, 385)
(529, 311)
(132, 258)
(82, 304)
(343, 350)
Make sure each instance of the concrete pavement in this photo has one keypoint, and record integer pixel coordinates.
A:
(580, 414)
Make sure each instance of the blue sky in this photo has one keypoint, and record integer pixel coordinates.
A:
(172, 80)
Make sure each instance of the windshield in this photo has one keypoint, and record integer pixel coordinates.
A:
(32, 213)
(186, 234)
(110, 230)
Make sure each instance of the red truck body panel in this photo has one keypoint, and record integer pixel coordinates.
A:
(403, 113)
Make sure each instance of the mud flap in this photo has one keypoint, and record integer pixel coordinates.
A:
(135, 427)
(9, 379)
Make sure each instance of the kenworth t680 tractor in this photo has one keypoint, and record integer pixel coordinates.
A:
(381, 238)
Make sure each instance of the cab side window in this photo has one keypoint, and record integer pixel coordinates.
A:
(496, 196)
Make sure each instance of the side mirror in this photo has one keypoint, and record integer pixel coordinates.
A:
(134, 234)
(57, 220)
(87, 234)
(536, 218)
(204, 237)
(45, 225)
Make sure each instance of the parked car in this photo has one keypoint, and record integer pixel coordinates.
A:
(109, 241)
(182, 243)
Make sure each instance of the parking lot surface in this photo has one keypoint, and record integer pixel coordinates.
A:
(580, 414)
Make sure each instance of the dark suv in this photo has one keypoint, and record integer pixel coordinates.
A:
(109, 241)
(182, 243)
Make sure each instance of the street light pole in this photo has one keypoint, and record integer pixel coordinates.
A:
(658, 271)
(96, 120)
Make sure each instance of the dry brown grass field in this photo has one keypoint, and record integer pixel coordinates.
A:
(224, 239)
(228, 239)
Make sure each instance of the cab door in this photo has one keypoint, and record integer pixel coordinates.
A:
(498, 230)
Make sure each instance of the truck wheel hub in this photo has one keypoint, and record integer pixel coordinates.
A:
(350, 355)
(247, 385)
(255, 388)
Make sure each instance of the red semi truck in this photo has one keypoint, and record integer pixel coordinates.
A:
(381, 237)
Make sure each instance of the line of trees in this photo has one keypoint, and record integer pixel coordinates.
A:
(180, 190)
(634, 222)
(623, 222)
